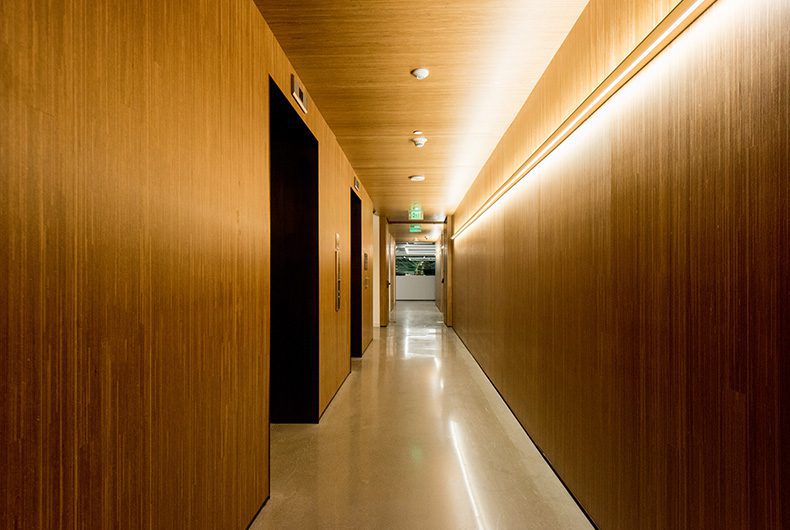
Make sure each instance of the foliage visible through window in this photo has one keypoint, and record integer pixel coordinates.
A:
(415, 259)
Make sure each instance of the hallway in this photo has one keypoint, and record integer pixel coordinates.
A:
(209, 210)
(416, 438)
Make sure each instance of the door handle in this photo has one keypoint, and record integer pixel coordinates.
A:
(337, 273)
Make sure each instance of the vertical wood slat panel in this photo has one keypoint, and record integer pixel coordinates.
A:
(135, 224)
(367, 248)
(384, 272)
(136, 353)
(642, 292)
(336, 177)
(605, 33)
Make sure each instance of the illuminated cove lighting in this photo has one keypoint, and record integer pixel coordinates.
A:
(662, 35)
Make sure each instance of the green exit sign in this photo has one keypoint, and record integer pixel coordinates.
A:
(415, 215)
(415, 228)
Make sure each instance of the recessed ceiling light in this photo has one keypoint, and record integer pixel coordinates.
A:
(417, 178)
(417, 132)
(420, 73)
(419, 141)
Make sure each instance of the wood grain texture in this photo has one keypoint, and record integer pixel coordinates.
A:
(441, 260)
(365, 331)
(135, 227)
(630, 299)
(384, 273)
(449, 258)
(605, 33)
(485, 56)
(393, 294)
(367, 276)
(135, 265)
(684, 14)
(336, 177)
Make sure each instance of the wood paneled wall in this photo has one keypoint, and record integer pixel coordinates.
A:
(444, 272)
(336, 177)
(605, 33)
(630, 298)
(134, 276)
(447, 306)
(368, 248)
(387, 294)
(439, 277)
(384, 272)
(393, 293)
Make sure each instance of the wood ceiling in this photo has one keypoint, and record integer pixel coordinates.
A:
(485, 56)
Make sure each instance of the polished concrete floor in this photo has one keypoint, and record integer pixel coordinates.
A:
(416, 438)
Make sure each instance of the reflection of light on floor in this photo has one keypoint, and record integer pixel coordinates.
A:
(425, 333)
(417, 343)
(461, 460)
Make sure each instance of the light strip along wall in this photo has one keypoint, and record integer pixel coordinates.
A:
(657, 40)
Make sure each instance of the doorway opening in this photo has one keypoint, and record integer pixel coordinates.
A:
(356, 275)
(415, 269)
(293, 374)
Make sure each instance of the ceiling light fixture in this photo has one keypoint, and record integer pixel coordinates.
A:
(419, 141)
(420, 73)
(417, 178)
(417, 132)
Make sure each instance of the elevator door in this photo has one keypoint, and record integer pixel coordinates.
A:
(355, 282)
(294, 265)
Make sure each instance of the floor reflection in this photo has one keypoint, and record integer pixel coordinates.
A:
(416, 438)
